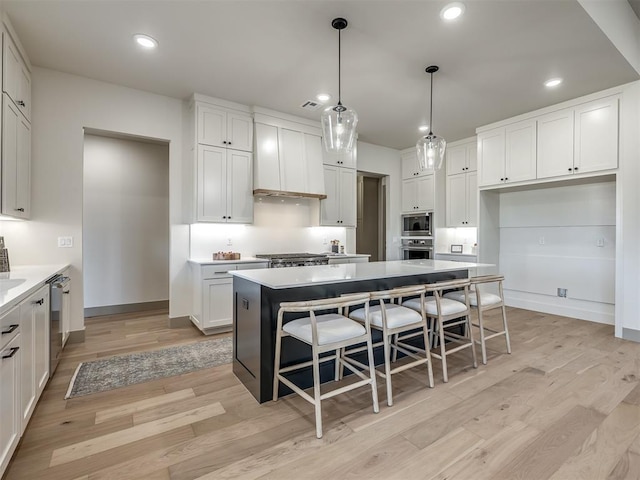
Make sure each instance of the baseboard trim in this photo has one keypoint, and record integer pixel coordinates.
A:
(593, 312)
(76, 336)
(631, 334)
(126, 308)
(179, 322)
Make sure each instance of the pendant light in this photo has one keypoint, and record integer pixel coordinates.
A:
(430, 148)
(339, 122)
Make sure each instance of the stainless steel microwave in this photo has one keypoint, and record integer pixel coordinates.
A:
(417, 224)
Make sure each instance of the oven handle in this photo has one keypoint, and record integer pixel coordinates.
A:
(418, 249)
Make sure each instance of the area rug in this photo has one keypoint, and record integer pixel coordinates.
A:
(124, 370)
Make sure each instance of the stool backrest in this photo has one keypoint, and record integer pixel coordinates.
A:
(399, 292)
(325, 303)
(486, 279)
(438, 287)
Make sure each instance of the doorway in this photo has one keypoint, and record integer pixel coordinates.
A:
(371, 217)
(125, 228)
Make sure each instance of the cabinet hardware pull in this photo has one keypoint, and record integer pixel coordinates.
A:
(575, 168)
(11, 329)
(19, 209)
(39, 302)
(66, 292)
(228, 143)
(502, 179)
(13, 352)
(570, 169)
(21, 103)
(506, 178)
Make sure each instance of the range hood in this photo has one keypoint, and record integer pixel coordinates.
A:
(263, 192)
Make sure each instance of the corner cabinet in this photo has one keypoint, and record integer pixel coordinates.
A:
(418, 194)
(339, 208)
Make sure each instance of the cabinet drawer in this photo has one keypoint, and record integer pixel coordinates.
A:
(217, 271)
(9, 326)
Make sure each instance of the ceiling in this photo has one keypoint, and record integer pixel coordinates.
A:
(278, 54)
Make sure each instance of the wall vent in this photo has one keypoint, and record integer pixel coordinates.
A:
(311, 105)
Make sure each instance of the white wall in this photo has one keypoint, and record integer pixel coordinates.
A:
(63, 105)
(384, 161)
(125, 221)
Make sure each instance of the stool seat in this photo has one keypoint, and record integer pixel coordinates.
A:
(332, 328)
(486, 298)
(449, 307)
(397, 315)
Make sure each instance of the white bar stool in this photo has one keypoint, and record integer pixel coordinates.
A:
(325, 333)
(483, 301)
(393, 319)
(448, 313)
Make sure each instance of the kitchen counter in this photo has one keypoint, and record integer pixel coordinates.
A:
(204, 261)
(278, 278)
(22, 281)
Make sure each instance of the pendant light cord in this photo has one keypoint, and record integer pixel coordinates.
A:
(431, 106)
(339, 67)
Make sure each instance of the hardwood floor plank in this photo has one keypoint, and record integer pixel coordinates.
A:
(628, 466)
(141, 405)
(116, 439)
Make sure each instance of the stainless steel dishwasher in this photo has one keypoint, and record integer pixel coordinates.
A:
(59, 286)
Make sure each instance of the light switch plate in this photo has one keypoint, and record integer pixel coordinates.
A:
(65, 242)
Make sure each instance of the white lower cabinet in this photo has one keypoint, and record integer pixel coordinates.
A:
(10, 373)
(213, 293)
(339, 208)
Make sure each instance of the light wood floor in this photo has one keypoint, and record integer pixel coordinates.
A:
(564, 405)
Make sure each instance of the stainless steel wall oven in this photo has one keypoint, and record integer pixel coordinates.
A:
(417, 249)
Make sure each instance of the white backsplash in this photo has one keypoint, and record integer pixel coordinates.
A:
(467, 237)
(281, 225)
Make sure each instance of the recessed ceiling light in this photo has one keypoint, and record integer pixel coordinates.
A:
(145, 41)
(423, 128)
(553, 82)
(323, 97)
(452, 11)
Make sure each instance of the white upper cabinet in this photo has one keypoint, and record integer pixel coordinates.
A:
(224, 128)
(596, 136)
(339, 208)
(418, 194)
(267, 164)
(520, 151)
(347, 160)
(410, 167)
(555, 143)
(16, 161)
(16, 77)
(462, 158)
(491, 156)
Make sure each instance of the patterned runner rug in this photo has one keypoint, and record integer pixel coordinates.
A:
(124, 370)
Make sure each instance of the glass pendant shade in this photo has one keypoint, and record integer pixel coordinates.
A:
(430, 150)
(339, 128)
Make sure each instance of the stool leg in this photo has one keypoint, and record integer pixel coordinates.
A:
(276, 365)
(372, 374)
(427, 351)
(443, 352)
(395, 350)
(387, 367)
(506, 329)
(316, 391)
(337, 375)
(483, 345)
(473, 343)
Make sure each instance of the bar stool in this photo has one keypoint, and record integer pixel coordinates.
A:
(393, 319)
(324, 333)
(448, 313)
(483, 301)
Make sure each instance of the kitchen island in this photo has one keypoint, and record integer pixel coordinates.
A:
(257, 295)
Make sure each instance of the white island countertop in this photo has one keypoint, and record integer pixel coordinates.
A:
(353, 272)
(21, 282)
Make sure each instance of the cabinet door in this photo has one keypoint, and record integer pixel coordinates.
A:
(457, 159)
(211, 184)
(347, 197)
(410, 195)
(9, 400)
(23, 169)
(41, 339)
(240, 132)
(472, 157)
(520, 155)
(555, 144)
(472, 199)
(239, 187)
(347, 160)
(24, 89)
(217, 302)
(267, 162)
(410, 167)
(10, 121)
(212, 126)
(491, 157)
(425, 187)
(596, 140)
(456, 200)
(11, 69)
(27, 369)
(329, 207)
(65, 322)
(293, 172)
(313, 159)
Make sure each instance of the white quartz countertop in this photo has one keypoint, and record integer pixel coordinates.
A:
(204, 261)
(346, 255)
(21, 282)
(354, 272)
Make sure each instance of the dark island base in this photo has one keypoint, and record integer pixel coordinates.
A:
(255, 315)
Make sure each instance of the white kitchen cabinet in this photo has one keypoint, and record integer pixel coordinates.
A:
(16, 161)
(16, 77)
(339, 208)
(34, 331)
(462, 157)
(596, 136)
(224, 185)
(410, 166)
(462, 200)
(491, 156)
(555, 143)
(10, 371)
(418, 194)
(219, 127)
(213, 293)
(347, 160)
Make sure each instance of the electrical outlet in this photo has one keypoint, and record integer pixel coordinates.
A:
(229, 242)
(325, 241)
(562, 292)
(65, 242)
(600, 242)
(541, 240)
